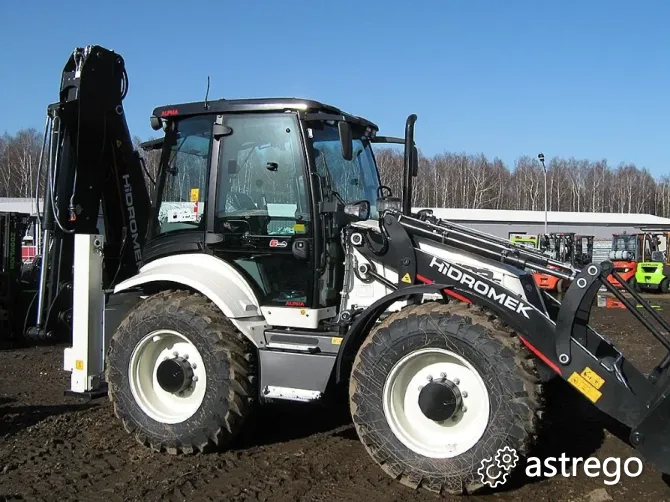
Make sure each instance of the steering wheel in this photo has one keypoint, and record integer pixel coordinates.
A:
(238, 201)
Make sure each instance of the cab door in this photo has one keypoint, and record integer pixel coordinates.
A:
(261, 218)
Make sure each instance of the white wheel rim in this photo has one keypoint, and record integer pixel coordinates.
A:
(417, 432)
(159, 404)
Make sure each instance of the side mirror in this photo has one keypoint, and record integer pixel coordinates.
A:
(155, 122)
(358, 211)
(346, 140)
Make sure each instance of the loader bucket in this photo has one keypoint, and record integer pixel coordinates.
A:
(652, 436)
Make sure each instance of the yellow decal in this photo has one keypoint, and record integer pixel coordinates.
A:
(336, 340)
(195, 194)
(406, 278)
(592, 377)
(303, 312)
(79, 364)
(299, 228)
(583, 386)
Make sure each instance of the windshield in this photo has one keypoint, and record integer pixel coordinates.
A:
(353, 180)
(624, 243)
(183, 192)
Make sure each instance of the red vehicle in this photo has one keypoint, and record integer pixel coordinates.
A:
(576, 250)
(627, 251)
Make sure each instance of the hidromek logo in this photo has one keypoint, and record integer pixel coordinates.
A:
(132, 220)
(481, 287)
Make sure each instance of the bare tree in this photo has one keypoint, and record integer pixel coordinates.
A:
(447, 179)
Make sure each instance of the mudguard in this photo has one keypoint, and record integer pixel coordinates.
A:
(210, 276)
(366, 319)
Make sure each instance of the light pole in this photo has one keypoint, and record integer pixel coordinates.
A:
(544, 168)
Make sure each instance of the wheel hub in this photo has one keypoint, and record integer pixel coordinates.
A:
(440, 400)
(174, 375)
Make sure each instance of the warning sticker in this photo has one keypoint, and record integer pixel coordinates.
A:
(583, 386)
(592, 377)
(195, 194)
(79, 364)
(336, 340)
(406, 279)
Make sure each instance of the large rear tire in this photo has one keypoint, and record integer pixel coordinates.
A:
(665, 285)
(489, 375)
(179, 374)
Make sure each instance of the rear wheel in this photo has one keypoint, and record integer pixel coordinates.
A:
(442, 396)
(179, 374)
(665, 285)
(632, 282)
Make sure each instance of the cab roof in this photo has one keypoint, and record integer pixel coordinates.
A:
(257, 105)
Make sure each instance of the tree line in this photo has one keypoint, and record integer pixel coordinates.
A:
(449, 179)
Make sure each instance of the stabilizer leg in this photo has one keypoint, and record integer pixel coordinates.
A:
(86, 358)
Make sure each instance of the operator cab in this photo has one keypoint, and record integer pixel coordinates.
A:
(255, 183)
(632, 247)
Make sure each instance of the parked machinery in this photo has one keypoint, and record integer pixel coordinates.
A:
(654, 274)
(567, 247)
(13, 227)
(526, 240)
(627, 251)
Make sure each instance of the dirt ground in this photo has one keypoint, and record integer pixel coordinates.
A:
(56, 448)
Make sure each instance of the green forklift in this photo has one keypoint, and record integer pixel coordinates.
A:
(654, 275)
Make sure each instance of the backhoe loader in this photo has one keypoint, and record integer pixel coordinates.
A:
(273, 264)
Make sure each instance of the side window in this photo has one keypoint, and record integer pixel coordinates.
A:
(183, 196)
(353, 180)
(261, 176)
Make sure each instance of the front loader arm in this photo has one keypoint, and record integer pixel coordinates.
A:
(561, 336)
(92, 171)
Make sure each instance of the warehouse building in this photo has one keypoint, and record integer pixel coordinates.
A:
(505, 223)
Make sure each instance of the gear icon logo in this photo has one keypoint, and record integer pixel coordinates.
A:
(493, 471)
(506, 458)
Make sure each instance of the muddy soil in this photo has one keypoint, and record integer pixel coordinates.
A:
(54, 448)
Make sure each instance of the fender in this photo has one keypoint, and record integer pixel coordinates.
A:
(214, 278)
(366, 319)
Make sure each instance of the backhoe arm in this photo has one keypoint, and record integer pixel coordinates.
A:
(94, 182)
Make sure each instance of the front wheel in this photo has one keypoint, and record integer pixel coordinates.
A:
(179, 374)
(444, 398)
(665, 285)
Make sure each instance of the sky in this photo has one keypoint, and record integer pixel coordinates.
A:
(568, 78)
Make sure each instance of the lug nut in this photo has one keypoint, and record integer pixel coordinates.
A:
(464, 393)
(175, 353)
(457, 381)
(194, 366)
(465, 408)
(194, 379)
(185, 356)
(420, 387)
(429, 378)
(443, 375)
